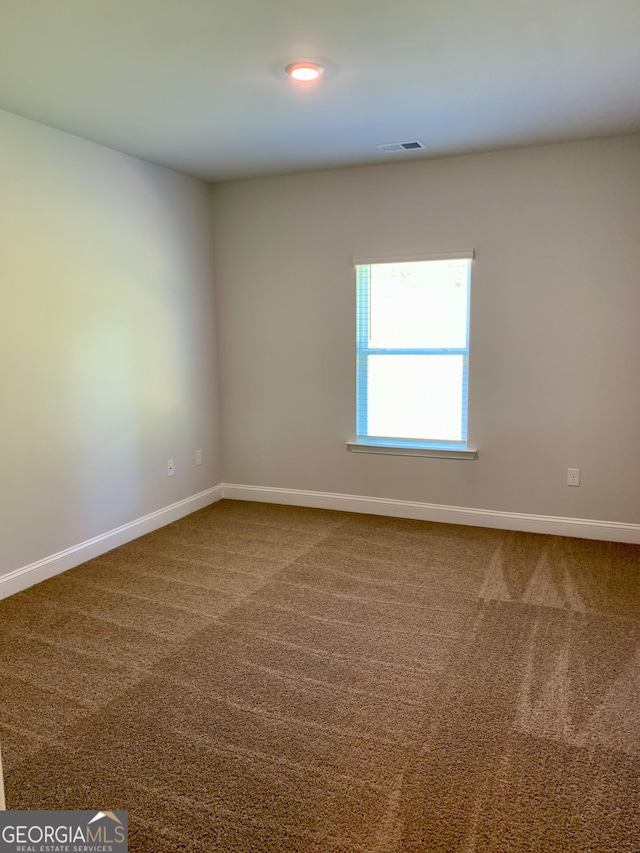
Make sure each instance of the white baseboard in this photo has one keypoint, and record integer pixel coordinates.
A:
(583, 528)
(69, 558)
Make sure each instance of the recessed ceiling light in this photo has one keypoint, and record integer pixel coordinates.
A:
(304, 72)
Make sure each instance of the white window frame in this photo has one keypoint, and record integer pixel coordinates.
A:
(405, 446)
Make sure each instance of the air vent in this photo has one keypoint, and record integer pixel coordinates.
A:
(393, 147)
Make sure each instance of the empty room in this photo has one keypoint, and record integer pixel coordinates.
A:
(319, 399)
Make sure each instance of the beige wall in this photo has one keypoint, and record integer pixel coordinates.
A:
(108, 363)
(107, 350)
(555, 325)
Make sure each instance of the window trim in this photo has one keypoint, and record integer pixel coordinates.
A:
(401, 446)
(461, 255)
(409, 450)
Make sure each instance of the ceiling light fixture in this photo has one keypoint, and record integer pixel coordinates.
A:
(304, 72)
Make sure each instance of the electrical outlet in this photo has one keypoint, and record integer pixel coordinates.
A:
(198, 457)
(573, 476)
(170, 468)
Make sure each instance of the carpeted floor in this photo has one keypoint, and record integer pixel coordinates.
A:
(265, 679)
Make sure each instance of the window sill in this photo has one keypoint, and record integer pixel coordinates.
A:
(390, 450)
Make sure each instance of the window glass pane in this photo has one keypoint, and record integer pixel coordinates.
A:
(420, 304)
(415, 396)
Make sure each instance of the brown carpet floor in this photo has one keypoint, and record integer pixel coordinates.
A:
(273, 679)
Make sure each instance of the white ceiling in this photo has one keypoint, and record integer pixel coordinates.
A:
(199, 84)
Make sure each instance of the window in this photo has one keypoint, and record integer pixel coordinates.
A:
(413, 353)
